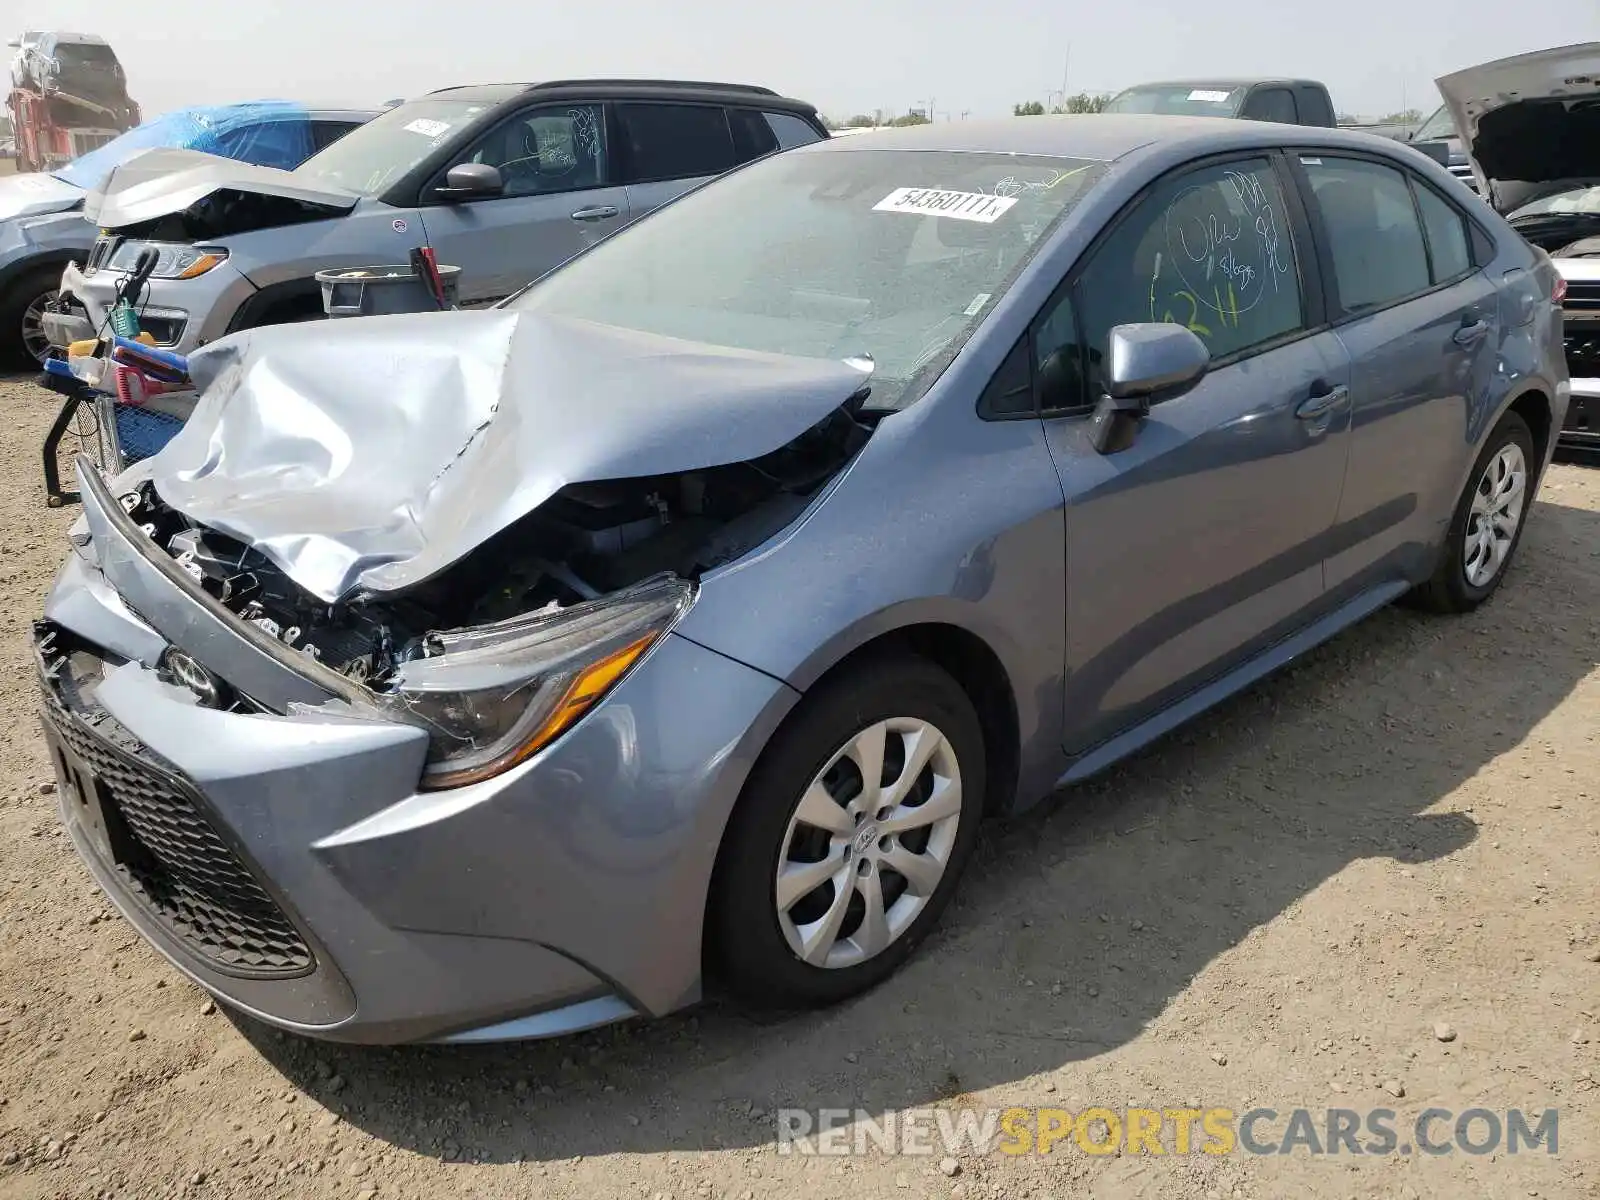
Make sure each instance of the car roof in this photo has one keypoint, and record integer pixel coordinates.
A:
(1230, 84)
(68, 38)
(619, 88)
(361, 115)
(1101, 136)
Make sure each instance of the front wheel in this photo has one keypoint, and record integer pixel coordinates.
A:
(849, 836)
(1486, 527)
(23, 343)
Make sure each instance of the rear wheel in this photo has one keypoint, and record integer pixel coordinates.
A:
(1486, 527)
(849, 837)
(23, 343)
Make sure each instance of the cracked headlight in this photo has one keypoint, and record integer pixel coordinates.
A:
(495, 695)
(173, 261)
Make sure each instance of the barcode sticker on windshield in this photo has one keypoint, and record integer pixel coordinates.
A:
(936, 202)
(428, 128)
(1212, 97)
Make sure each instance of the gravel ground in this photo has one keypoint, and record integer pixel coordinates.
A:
(1282, 906)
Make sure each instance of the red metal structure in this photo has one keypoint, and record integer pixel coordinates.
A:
(68, 96)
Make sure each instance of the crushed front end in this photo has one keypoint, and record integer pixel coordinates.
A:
(356, 822)
(366, 694)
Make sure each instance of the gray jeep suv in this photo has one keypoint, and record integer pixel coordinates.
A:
(504, 181)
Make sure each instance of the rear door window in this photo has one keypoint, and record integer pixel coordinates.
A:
(1449, 250)
(1314, 106)
(1374, 237)
(1271, 104)
(752, 136)
(674, 141)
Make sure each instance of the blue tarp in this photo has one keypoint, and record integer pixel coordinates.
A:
(268, 133)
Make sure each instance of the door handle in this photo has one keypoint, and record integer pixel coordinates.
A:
(600, 212)
(1469, 333)
(1322, 403)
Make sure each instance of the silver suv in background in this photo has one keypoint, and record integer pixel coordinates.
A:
(504, 181)
(41, 220)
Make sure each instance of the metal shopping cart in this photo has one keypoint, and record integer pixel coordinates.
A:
(123, 397)
(119, 408)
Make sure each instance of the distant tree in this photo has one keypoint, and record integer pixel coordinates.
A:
(1083, 102)
(1408, 116)
(1031, 109)
(860, 121)
(910, 118)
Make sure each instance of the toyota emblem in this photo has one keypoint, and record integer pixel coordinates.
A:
(184, 670)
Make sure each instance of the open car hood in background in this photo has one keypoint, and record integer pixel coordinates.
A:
(1532, 119)
(35, 194)
(157, 183)
(368, 455)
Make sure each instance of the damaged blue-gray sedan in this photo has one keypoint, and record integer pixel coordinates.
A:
(499, 674)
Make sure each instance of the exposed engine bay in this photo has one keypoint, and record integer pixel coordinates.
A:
(226, 212)
(586, 541)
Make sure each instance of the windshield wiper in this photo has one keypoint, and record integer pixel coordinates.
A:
(1553, 218)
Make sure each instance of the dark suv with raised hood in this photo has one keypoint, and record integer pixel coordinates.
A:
(1530, 125)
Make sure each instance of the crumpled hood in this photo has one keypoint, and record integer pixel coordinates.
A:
(156, 183)
(1528, 119)
(369, 454)
(35, 194)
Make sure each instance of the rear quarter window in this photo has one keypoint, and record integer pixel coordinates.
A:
(791, 131)
(675, 141)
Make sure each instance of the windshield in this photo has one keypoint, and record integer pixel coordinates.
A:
(1584, 200)
(1438, 127)
(77, 58)
(892, 253)
(1207, 100)
(367, 160)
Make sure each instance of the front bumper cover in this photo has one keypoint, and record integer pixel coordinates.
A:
(565, 893)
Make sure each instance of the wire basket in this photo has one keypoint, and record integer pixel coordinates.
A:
(142, 432)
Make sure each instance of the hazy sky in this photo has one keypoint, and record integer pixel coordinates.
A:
(844, 57)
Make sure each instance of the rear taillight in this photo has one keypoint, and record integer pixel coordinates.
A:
(1559, 292)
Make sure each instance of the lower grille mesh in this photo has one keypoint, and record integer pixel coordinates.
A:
(170, 857)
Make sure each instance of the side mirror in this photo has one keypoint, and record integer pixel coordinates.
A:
(1151, 362)
(465, 181)
(1147, 363)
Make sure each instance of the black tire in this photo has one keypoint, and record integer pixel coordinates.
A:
(19, 294)
(1449, 591)
(747, 951)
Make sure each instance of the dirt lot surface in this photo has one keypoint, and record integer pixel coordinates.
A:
(1373, 882)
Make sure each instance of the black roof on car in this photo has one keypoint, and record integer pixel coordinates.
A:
(637, 89)
(1230, 84)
